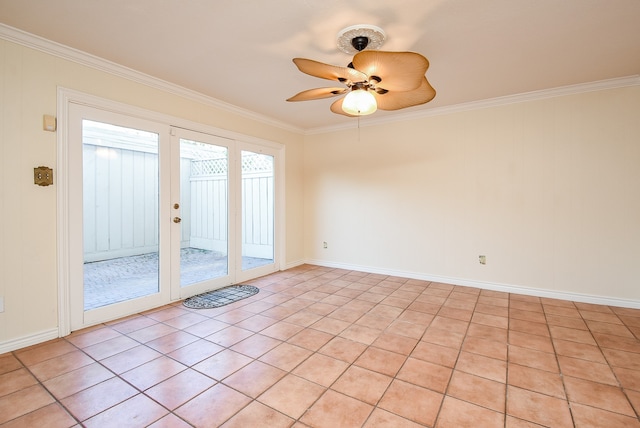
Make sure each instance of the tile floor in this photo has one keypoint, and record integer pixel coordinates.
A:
(321, 347)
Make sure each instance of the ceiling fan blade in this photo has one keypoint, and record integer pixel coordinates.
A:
(316, 94)
(329, 72)
(336, 107)
(393, 71)
(394, 100)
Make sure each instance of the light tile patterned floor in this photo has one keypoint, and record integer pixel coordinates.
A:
(324, 347)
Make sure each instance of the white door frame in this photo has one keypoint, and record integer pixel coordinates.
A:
(65, 216)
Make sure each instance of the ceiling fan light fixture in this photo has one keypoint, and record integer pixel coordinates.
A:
(359, 102)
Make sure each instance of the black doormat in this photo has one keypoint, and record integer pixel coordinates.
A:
(221, 297)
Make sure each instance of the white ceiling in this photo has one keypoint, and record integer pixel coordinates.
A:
(240, 51)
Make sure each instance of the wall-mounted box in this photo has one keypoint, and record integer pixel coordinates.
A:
(49, 123)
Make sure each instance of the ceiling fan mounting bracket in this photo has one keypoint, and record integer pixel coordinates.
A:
(360, 42)
(359, 37)
(359, 85)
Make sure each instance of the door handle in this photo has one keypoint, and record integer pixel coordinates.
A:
(177, 219)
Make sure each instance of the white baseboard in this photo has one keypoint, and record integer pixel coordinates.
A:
(507, 288)
(32, 339)
(51, 334)
(291, 265)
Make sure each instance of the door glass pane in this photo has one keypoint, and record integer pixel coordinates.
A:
(203, 208)
(120, 213)
(257, 210)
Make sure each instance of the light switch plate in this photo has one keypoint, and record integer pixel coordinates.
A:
(1, 304)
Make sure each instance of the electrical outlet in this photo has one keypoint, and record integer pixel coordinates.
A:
(482, 260)
(43, 176)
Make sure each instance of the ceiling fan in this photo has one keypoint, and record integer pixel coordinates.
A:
(373, 80)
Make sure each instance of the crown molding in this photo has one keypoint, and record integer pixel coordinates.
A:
(488, 103)
(65, 52)
(59, 50)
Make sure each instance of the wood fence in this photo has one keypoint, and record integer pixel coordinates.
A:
(121, 206)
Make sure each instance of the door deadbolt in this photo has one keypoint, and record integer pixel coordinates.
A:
(177, 219)
(176, 206)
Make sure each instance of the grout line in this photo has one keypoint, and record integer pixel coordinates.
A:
(313, 283)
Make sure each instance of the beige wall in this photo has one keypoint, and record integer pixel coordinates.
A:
(548, 190)
(28, 89)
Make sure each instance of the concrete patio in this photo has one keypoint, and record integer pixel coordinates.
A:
(120, 279)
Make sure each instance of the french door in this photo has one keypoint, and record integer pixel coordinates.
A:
(201, 201)
(159, 213)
